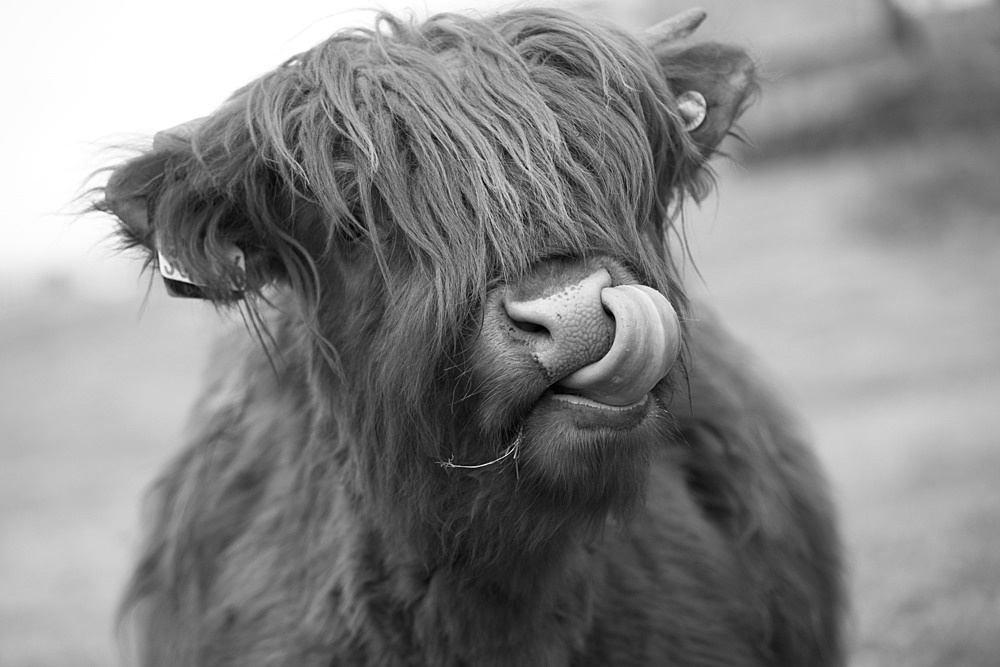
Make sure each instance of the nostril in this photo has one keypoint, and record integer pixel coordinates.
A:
(529, 327)
(535, 317)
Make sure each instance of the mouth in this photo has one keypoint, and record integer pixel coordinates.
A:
(587, 452)
(588, 414)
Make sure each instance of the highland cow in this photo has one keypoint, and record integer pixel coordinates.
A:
(474, 420)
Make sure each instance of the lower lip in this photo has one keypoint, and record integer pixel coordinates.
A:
(588, 414)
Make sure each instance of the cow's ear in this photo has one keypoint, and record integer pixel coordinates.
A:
(712, 83)
(201, 228)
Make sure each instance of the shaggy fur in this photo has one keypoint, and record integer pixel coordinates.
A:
(383, 185)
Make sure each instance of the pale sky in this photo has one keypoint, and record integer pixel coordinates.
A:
(81, 77)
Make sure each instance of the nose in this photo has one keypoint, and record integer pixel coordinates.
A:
(604, 341)
(565, 329)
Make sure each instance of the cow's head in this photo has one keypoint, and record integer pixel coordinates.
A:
(471, 218)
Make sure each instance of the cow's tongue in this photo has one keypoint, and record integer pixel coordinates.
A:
(646, 344)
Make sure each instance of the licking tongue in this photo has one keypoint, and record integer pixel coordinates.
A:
(646, 344)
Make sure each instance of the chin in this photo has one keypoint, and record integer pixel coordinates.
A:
(588, 456)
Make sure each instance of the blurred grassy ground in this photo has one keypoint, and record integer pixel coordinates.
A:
(92, 401)
(864, 271)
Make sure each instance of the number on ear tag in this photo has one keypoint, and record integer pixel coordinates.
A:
(181, 282)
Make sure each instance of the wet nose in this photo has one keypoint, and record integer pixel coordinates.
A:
(566, 327)
(606, 342)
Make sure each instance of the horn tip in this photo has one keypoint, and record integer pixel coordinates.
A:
(695, 14)
(692, 18)
(678, 26)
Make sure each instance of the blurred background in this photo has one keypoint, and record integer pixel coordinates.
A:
(854, 244)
